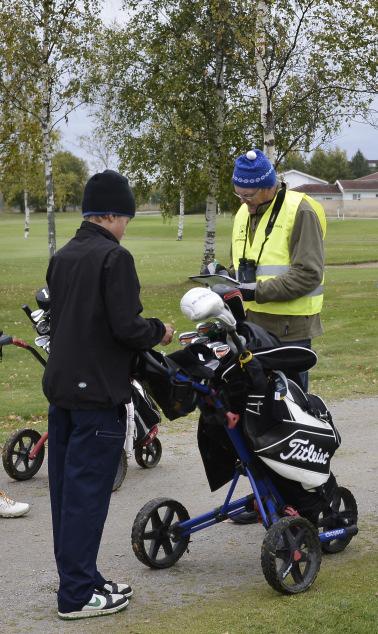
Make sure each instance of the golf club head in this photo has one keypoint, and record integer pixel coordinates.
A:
(213, 344)
(201, 339)
(187, 337)
(42, 298)
(43, 327)
(37, 314)
(210, 329)
(41, 341)
(222, 350)
(204, 327)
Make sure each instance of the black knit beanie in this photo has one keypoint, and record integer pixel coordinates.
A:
(108, 193)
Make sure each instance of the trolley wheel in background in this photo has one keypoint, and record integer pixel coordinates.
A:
(121, 471)
(345, 508)
(16, 452)
(148, 456)
(291, 555)
(155, 541)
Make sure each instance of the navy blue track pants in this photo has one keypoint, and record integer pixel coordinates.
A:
(84, 449)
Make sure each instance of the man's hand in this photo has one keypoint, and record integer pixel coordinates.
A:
(213, 268)
(168, 336)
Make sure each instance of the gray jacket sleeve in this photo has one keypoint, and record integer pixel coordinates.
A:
(306, 250)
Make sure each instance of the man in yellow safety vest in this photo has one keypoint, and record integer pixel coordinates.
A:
(278, 252)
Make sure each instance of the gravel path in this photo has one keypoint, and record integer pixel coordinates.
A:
(226, 555)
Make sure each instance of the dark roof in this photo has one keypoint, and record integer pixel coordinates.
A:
(369, 177)
(310, 188)
(359, 185)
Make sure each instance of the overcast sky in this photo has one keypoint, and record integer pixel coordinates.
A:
(351, 138)
(357, 136)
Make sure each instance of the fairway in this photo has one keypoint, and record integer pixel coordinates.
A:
(347, 351)
(342, 601)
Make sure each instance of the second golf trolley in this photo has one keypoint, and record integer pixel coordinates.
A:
(24, 451)
(257, 423)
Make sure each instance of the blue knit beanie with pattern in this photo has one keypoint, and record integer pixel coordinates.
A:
(254, 170)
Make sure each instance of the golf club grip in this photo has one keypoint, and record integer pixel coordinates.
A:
(6, 340)
(27, 311)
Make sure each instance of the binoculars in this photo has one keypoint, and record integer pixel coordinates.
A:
(247, 271)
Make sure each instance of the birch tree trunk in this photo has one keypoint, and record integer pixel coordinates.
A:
(27, 214)
(264, 85)
(214, 158)
(46, 134)
(180, 230)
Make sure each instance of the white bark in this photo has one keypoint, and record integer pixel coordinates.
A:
(47, 144)
(211, 200)
(180, 230)
(211, 211)
(266, 114)
(27, 214)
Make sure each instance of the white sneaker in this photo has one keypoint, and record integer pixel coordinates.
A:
(10, 508)
(99, 605)
(117, 588)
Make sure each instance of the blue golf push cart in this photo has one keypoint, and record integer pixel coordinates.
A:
(257, 423)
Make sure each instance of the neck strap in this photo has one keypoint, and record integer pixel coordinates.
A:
(272, 219)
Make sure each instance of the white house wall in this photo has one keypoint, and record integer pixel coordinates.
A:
(296, 179)
(363, 195)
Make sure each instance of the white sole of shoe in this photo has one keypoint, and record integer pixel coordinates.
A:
(85, 614)
(9, 515)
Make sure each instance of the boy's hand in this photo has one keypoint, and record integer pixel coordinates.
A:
(169, 332)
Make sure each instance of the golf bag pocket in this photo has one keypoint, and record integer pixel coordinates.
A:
(146, 413)
(289, 439)
(175, 398)
(183, 399)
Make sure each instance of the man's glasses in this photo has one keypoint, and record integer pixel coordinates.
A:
(247, 198)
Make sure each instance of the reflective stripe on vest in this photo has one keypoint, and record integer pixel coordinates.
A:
(275, 258)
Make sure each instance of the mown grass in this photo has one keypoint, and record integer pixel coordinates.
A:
(343, 600)
(347, 352)
(344, 597)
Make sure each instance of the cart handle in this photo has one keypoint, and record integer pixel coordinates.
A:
(6, 340)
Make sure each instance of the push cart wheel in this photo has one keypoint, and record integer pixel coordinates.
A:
(148, 456)
(345, 510)
(16, 452)
(121, 471)
(155, 539)
(291, 555)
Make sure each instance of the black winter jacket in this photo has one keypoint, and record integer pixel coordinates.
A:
(96, 327)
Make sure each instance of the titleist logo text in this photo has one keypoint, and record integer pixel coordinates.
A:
(302, 452)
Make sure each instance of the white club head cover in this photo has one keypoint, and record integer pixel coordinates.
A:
(201, 303)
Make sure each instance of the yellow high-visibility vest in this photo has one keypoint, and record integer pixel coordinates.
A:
(275, 257)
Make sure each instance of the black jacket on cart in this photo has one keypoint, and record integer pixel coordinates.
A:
(96, 326)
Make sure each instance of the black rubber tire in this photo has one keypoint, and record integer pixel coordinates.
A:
(15, 454)
(344, 503)
(151, 529)
(121, 471)
(148, 456)
(286, 539)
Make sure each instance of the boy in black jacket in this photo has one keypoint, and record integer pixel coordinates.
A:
(96, 330)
